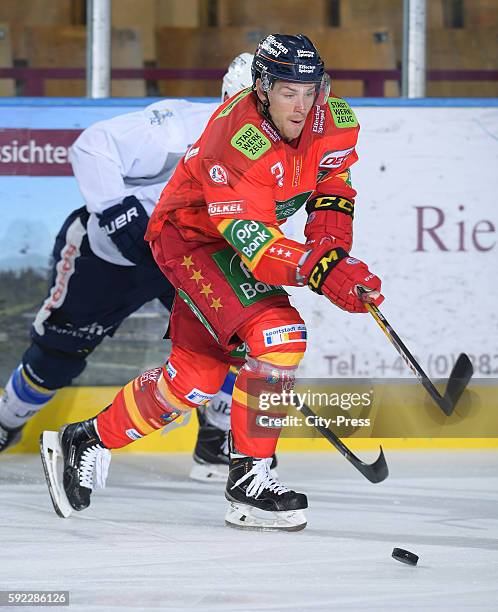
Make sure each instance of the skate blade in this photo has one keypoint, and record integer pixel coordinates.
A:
(209, 472)
(242, 516)
(53, 462)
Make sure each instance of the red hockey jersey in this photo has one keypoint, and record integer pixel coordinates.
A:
(240, 181)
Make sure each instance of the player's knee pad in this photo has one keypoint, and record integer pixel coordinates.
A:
(52, 369)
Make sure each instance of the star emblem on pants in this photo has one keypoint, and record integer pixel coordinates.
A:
(187, 262)
(216, 303)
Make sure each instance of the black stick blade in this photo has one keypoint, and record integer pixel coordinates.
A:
(374, 472)
(459, 378)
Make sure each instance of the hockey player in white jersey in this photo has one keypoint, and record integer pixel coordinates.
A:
(103, 269)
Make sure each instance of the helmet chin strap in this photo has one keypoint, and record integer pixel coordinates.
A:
(265, 107)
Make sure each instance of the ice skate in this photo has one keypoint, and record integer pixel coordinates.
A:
(9, 436)
(70, 459)
(211, 456)
(257, 500)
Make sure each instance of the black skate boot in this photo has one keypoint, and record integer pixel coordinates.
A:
(9, 437)
(211, 455)
(82, 453)
(211, 451)
(257, 500)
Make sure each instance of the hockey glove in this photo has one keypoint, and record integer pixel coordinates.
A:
(333, 273)
(330, 218)
(125, 224)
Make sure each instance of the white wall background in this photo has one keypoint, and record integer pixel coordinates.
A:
(439, 302)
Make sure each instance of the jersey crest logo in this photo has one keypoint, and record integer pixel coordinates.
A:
(219, 175)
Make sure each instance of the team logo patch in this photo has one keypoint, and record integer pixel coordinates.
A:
(170, 370)
(228, 209)
(133, 434)
(196, 396)
(285, 334)
(218, 174)
(334, 159)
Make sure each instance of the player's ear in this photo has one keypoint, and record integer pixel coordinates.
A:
(259, 91)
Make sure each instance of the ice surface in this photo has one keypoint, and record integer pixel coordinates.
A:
(153, 540)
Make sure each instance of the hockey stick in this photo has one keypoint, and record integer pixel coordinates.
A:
(374, 472)
(459, 377)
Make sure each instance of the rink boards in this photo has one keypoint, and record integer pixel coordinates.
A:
(405, 419)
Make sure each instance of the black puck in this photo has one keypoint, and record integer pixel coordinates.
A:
(405, 556)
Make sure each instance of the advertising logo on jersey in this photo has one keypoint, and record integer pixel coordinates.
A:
(334, 159)
(285, 334)
(196, 396)
(318, 120)
(248, 237)
(227, 209)
(270, 131)
(250, 141)
(218, 175)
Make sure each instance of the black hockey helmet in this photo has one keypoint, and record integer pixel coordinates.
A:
(282, 57)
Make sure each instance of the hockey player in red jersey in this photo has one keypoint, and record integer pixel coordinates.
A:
(215, 233)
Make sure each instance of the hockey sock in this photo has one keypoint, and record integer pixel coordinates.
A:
(249, 416)
(140, 407)
(217, 412)
(22, 398)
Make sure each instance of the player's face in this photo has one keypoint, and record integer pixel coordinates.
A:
(290, 104)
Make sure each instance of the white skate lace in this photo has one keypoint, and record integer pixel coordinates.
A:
(95, 458)
(262, 479)
(4, 434)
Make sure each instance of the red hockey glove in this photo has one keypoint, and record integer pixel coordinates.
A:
(333, 273)
(330, 218)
